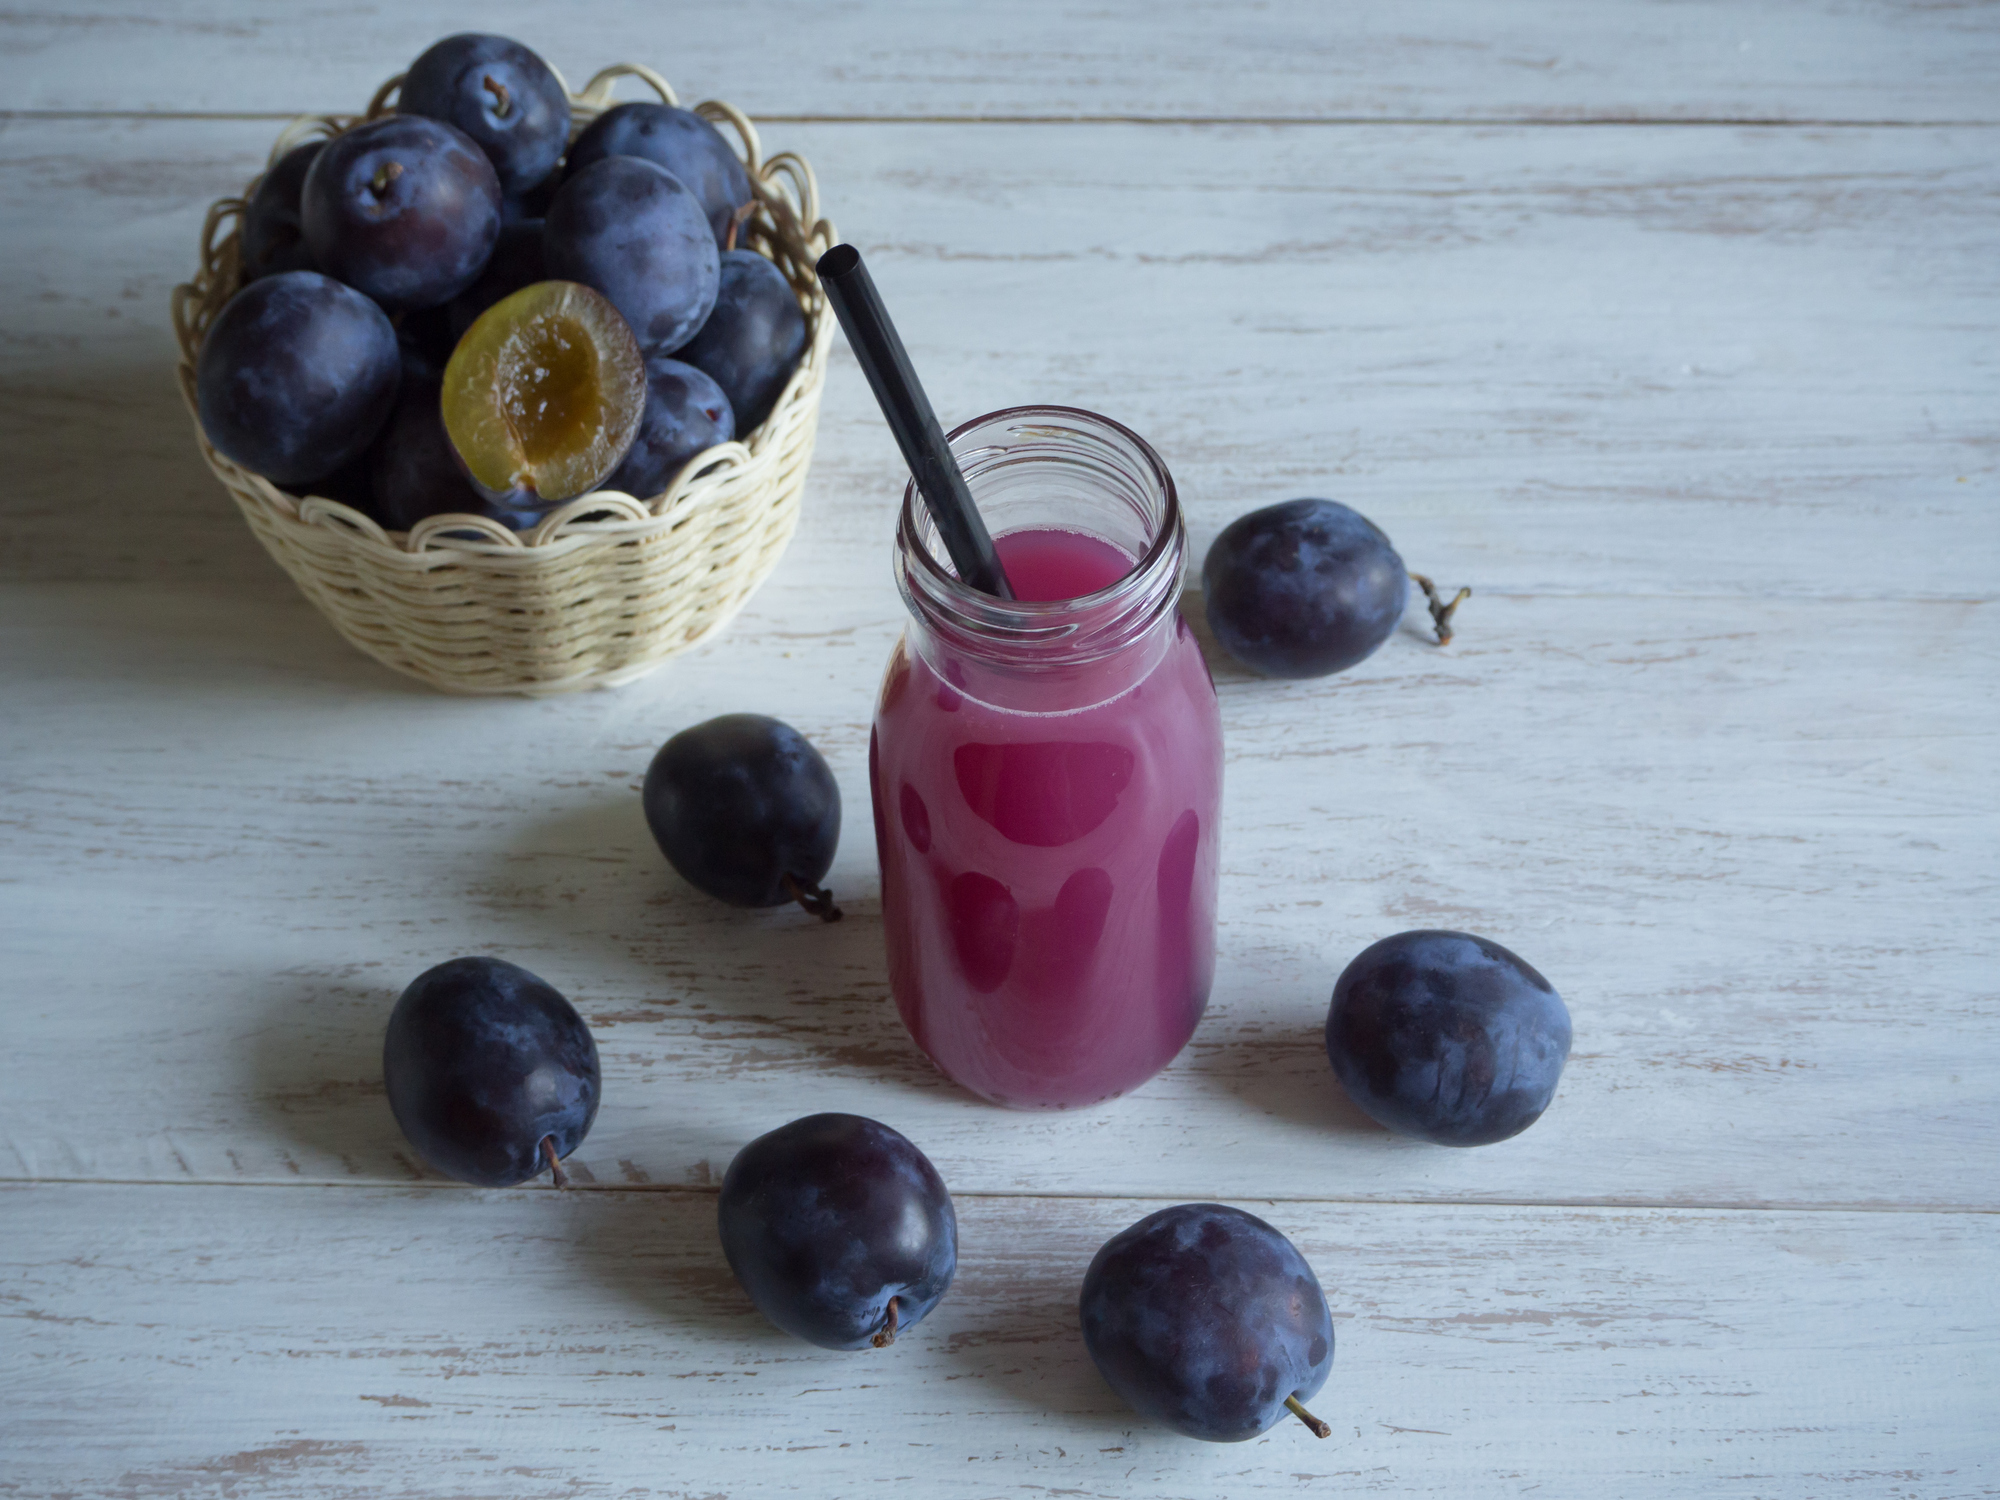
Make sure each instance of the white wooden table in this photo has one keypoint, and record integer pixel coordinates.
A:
(1669, 327)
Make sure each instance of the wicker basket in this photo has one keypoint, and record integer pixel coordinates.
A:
(576, 602)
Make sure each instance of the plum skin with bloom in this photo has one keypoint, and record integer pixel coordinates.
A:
(1206, 1319)
(686, 414)
(1447, 1037)
(679, 141)
(296, 376)
(629, 230)
(483, 1063)
(753, 339)
(745, 809)
(1303, 588)
(501, 95)
(840, 1230)
(403, 208)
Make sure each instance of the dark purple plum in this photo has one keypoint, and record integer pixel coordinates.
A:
(427, 338)
(753, 338)
(273, 240)
(404, 208)
(1208, 1320)
(531, 203)
(501, 95)
(746, 810)
(1303, 588)
(516, 262)
(296, 376)
(1447, 1037)
(680, 141)
(414, 473)
(686, 414)
(839, 1229)
(352, 485)
(629, 230)
(490, 1072)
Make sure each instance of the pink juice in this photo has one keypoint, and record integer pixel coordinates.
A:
(1049, 866)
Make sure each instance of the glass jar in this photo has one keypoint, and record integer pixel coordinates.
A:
(1047, 774)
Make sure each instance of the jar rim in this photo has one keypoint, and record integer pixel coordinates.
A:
(1166, 538)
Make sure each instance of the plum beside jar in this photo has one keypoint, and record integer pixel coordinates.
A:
(1047, 774)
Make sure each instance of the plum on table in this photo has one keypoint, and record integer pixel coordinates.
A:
(753, 338)
(543, 395)
(490, 1072)
(630, 230)
(405, 209)
(1208, 1320)
(296, 376)
(501, 95)
(1447, 1037)
(840, 1230)
(746, 810)
(680, 141)
(1303, 588)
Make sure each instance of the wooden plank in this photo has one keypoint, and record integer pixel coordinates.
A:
(1687, 362)
(1454, 59)
(1751, 841)
(372, 1342)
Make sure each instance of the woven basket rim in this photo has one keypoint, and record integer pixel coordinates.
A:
(789, 220)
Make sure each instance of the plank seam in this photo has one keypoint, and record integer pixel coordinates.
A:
(1718, 1205)
(1444, 122)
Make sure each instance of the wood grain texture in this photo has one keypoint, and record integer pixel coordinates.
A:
(1555, 60)
(1706, 415)
(1752, 843)
(291, 1342)
(1678, 362)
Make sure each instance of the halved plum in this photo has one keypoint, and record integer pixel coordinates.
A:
(544, 395)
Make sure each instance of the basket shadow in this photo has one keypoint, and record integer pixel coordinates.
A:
(111, 485)
(793, 992)
(114, 490)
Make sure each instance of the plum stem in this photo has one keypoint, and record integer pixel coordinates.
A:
(555, 1165)
(385, 174)
(737, 220)
(503, 105)
(815, 899)
(1319, 1428)
(1441, 612)
(886, 1334)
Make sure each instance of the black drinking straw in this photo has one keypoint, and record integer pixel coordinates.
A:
(886, 363)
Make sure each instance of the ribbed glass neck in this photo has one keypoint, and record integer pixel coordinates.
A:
(1051, 468)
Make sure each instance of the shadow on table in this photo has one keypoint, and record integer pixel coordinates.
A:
(781, 991)
(1282, 1074)
(109, 485)
(111, 488)
(1023, 1343)
(315, 1064)
(658, 1252)
(1222, 667)
(1226, 669)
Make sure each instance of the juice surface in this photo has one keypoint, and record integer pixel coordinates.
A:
(1048, 879)
(1059, 564)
